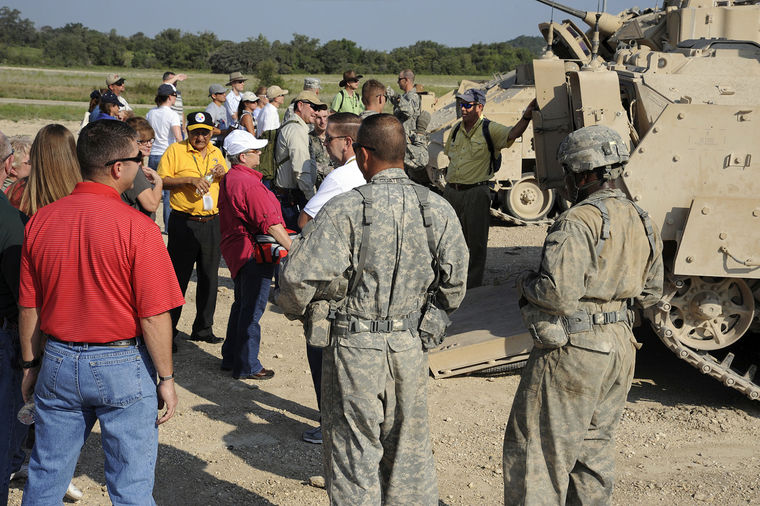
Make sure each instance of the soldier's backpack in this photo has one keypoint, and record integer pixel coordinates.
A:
(267, 163)
(495, 159)
(433, 321)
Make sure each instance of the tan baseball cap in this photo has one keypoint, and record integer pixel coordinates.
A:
(275, 91)
(113, 79)
(312, 98)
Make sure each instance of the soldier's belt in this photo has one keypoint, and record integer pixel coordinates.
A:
(354, 325)
(581, 321)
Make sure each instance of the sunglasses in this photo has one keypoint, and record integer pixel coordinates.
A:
(401, 79)
(138, 158)
(329, 138)
(356, 147)
(467, 105)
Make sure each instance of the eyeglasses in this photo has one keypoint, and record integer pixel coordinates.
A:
(148, 141)
(8, 155)
(138, 158)
(401, 79)
(356, 147)
(329, 138)
(203, 132)
(467, 105)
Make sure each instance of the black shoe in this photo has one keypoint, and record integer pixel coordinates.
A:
(225, 368)
(211, 338)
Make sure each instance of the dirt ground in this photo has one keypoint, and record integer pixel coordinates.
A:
(684, 438)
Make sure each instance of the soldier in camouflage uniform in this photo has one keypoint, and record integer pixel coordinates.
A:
(377, 446)
(559, 444)
(317, 149)
(407, 108)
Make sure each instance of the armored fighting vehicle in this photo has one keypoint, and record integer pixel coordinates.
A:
(682, 84)
(517, 196)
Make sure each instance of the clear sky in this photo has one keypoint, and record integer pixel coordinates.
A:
(372, 24)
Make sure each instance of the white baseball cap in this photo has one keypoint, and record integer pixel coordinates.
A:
(239, 141)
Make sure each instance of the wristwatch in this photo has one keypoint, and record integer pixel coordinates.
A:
(30, 364)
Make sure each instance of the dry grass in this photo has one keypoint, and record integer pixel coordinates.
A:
(76, 85)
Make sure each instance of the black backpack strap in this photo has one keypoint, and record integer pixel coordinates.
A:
(455, 131)
(489, 142)
(369, 214)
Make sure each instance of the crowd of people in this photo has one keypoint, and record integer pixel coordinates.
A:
(326, 205)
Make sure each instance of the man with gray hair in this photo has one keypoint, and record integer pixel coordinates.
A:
(309, 84)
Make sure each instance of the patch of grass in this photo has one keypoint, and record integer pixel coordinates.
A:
(23, 112)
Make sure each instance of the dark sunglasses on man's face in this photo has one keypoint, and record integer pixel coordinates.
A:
(356, 147)
(467, 105)
(138, 158)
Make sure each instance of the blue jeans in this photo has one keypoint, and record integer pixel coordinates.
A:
(12, 432)
(77, 385)
(240, 350)
(153, 161)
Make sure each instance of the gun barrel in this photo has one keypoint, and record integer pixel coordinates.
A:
(574, 12)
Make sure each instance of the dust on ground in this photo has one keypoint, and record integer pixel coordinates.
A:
(684, 438)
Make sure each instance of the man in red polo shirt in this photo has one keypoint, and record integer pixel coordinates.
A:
(247, 209)
(97, 279)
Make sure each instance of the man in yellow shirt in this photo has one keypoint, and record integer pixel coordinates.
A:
(191, 170)
(469, 171)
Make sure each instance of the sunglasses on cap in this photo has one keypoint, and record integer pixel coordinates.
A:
(138, 158)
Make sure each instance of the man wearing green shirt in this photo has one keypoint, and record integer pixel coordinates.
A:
(469, 171)
(347, 99)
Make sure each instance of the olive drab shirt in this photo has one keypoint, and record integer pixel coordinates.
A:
(573, 276)
(398, 269)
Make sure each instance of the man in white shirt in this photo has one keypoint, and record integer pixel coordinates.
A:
(218, 113)
(269, 119)
(167, 130)
(236, 83)
(342, 128)
(115, 83)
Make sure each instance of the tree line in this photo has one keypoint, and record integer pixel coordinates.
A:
(21, 43)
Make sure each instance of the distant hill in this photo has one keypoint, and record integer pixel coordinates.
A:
(535, 45)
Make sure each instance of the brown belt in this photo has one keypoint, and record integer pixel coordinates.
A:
(461, 186)
(194, 217)
(113, 344)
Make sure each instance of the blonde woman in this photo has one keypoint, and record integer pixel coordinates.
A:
(54, 168)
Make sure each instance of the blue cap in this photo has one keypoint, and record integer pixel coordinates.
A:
(473, 95)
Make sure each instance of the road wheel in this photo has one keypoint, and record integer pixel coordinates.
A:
(528, 201)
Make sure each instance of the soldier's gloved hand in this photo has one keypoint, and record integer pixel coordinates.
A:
(423, 120)
(522, 302)
(391, 94)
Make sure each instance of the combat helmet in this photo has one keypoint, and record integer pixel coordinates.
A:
(593, 147)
